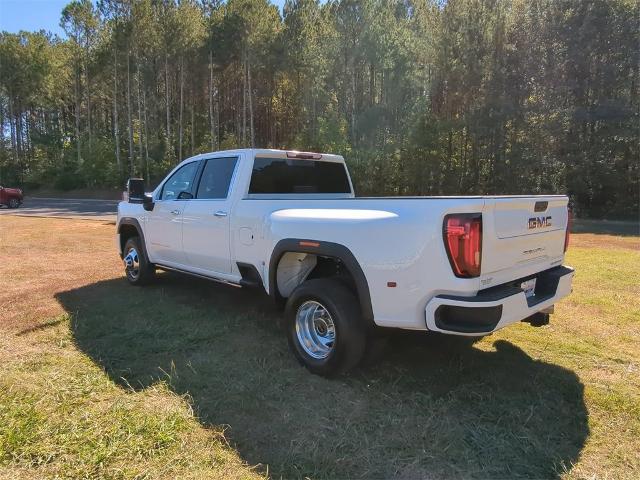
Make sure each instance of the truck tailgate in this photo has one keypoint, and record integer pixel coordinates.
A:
(523, 232)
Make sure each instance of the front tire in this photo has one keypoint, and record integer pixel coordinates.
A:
(324, 327)
(138, 269)
(14, 203)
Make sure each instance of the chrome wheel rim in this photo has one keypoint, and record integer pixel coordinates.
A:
(315, 329)
(132, 263)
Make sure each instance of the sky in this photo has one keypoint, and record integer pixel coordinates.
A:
(16, 15)
(31, 15)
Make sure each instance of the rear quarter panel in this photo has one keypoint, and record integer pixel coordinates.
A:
(393, 240)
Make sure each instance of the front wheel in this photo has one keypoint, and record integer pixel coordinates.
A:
(324, 327)
(14, 203)
(136, 264)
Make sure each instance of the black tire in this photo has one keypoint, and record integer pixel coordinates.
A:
(13, 203)
(350, 332)
(146, 271)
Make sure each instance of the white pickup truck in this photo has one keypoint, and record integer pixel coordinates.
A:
(289, 222)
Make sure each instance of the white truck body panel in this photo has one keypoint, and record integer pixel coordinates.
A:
(398, 239)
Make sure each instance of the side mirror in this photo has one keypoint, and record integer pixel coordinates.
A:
(135, 190)
(136, 193)
(185, 196)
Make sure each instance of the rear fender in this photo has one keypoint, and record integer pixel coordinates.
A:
(327, 249)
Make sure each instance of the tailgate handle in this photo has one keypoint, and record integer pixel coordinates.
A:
(540, 206)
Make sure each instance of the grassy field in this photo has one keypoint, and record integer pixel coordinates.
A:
(191, 379)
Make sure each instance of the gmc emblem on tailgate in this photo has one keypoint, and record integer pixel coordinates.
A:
(539, 222)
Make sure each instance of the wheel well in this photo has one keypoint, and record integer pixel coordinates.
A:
(126, 232)
(331, 267)
(295, 267)
(330, 260)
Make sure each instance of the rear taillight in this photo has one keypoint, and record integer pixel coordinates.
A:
(463, 241)
(568, 232)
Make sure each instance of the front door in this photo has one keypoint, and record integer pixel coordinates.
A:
(164, 223)
(205, 234)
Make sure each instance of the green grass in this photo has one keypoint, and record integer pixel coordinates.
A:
(61, 416)
(155, 381)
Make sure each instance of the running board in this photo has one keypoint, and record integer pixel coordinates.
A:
(205, 277)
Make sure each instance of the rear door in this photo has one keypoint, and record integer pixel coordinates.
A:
(205, 232)
(520, 231)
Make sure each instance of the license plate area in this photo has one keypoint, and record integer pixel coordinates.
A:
(529, 287)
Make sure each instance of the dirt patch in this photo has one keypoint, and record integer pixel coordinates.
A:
(41, 257)
(595, 240)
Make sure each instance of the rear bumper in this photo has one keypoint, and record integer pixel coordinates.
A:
(497, 307)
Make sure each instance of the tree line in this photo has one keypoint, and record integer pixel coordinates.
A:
(422, 97)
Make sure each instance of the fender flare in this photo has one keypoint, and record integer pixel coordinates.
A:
(134, 223)
(327, 249)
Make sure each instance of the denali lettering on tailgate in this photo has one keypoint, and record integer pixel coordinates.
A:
(539, 222)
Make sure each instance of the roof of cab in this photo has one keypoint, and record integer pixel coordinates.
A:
(266, 152)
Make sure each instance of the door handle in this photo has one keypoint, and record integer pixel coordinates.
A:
(175, 212)
(220, 213)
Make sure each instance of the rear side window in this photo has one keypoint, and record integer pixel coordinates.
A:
(216, 178)
(285, 175)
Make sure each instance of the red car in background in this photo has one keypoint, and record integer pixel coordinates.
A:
(11, 197)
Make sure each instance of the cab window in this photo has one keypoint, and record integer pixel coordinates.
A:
(216, 178)
(286, 175)
(180, 181)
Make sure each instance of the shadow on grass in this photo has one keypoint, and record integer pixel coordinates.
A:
(430, 407)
